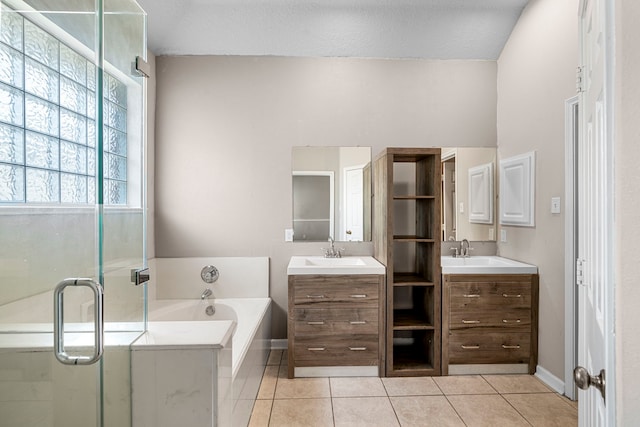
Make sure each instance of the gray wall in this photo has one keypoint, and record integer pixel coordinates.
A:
(225, 127)
(536, 74)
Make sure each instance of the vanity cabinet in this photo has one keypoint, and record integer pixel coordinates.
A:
(490, 319)
(334, 320)
(406, 236)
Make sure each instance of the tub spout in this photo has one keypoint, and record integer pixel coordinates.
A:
(206, 294)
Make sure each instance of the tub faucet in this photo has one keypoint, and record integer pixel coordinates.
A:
(206, 294)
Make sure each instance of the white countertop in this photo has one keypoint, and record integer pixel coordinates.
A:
(485, 265)
(344, 265)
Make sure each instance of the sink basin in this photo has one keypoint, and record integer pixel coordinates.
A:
(485, 265)
(344, 265)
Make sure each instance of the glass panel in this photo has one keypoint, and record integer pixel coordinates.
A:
(11, 144)
(116, 116)
(42, 116)
(42, 151)
(11, 25)
(116, 142)
(41, 80)
(73, 96)
(73, 157)
(73, 127)
(11, 64)
(43, 186)
(91, 161)
(11, 105)
(91, 133)
(91, 105)
(116, 91)
(116, 167)
(73, 65)
(11, 184)
(115, 192)
(73, 188)
(40, 45)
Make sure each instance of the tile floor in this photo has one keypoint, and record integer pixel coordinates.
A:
(474, 400)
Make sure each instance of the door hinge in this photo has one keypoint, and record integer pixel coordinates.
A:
(580, 271)
(579, 79)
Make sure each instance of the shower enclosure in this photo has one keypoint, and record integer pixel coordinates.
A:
(72, 206)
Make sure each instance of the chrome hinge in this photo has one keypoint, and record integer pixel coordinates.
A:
(142, 67)
(579, 79)
(580, 271)
(140, 276)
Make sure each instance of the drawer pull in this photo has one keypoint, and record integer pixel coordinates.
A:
(511, 347)
(510, 321)
(316, 348)
(316, 296)
(358, 296)
(316, 323)
(467, 322)
(357, 322)
(471, 295)
(512, 296)
(357, 348)
(470, 347)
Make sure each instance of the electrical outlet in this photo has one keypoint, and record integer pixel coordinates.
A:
(288, 235)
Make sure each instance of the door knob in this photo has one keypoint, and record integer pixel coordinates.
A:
(584, 379)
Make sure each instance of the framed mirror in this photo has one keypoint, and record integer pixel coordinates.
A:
(331, 188)
(469, 193)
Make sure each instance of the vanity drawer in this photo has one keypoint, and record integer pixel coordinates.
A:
(330, 321)
(493, 347)
(513, 318)
(341, 291)
(489, 296)
(336, 350)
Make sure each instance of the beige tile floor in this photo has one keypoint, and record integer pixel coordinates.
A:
(474, 400)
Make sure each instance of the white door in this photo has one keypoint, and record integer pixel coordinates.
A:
(353, 207)
(595, 374)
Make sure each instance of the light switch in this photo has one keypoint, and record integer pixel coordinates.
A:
(503, 236)
(555, 205)
(288, 235)
(461, 207)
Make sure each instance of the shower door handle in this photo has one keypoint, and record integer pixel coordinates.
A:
(58, 322)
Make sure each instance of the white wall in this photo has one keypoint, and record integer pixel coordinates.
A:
(536, 74)
(225, 127)
(627, 206)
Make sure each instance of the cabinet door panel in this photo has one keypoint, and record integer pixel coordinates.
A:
(330, 321)
(491, 317)
(498, 347)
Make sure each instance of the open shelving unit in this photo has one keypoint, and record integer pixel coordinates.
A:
(406, 197)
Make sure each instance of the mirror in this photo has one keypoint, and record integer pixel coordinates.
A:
(468, 193)
(331, 193)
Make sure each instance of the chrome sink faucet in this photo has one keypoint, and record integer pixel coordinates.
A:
(465, 252)
(332, 252)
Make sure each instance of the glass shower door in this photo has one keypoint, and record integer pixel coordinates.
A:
(71, 206)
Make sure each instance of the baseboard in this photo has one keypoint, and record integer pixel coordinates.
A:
(549, 379)
(280, 344)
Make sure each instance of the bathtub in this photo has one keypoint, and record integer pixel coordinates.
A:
(250, 341)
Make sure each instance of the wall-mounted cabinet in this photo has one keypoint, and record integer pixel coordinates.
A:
(406, 197)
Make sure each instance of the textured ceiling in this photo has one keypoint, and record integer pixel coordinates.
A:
(436, 29)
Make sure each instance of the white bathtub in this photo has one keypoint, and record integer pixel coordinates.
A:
(250, 342)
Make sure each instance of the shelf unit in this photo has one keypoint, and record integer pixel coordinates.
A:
(406, 234)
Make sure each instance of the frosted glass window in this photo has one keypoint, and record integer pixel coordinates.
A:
(11, 64)
(48, 120)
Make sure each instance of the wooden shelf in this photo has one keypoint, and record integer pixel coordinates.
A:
(411, 238)
(411, 320)
(410, 279)
(413, 317)
(413, 197)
